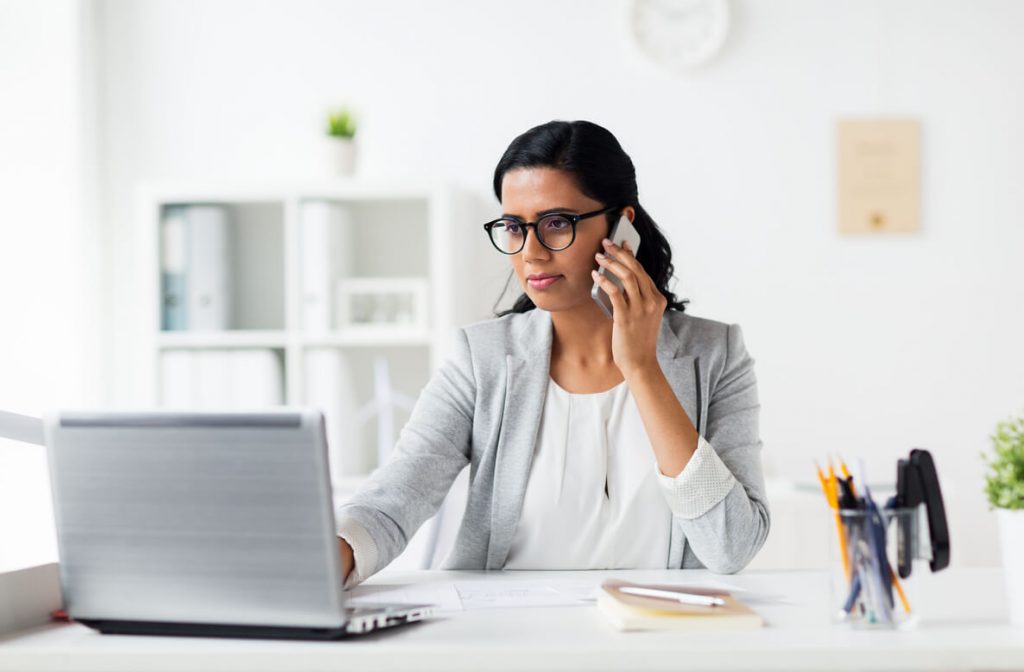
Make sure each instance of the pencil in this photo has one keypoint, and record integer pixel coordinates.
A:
(899, 588)
(828, 485)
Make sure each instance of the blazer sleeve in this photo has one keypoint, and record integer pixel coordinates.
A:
(719, 498)
(432, 448)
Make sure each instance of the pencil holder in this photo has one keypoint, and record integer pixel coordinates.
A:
(875, 555)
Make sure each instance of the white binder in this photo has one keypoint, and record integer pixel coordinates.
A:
(208, 281)
(324, 235)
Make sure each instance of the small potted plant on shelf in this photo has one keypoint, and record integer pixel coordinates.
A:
(341, 132)
(1004, 485)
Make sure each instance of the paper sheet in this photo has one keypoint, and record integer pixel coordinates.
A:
(526, 593)
(482, 594)
(443, 595)
(508, 593)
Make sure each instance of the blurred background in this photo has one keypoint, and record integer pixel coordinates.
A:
(151, 149)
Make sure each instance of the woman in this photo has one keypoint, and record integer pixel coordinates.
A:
(593, 443)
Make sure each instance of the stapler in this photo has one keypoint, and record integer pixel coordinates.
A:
(917, 483)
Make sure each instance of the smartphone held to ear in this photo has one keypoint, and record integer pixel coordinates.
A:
(623, 232)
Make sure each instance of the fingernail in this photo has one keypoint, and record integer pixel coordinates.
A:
(600, 256)
(607, 241)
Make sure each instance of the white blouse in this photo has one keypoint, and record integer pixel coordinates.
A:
(595, 498)
(592, 500)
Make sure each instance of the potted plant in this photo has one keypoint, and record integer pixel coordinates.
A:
(1004, 485)
(341, 131)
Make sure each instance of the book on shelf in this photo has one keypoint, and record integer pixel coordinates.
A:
(638, 612)
(195, 260)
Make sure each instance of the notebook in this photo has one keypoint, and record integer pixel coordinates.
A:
(636, 612)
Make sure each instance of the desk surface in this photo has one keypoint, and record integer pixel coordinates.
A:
(963, 627)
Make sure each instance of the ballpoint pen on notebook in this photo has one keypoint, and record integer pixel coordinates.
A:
(684, 598)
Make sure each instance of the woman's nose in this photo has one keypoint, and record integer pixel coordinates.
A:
(532, 248)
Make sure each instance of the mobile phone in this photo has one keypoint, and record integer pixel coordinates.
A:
(622, 232)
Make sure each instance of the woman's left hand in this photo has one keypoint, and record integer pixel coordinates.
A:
(637, 311)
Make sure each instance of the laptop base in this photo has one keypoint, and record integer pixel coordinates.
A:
(360, 621)
(211, 630)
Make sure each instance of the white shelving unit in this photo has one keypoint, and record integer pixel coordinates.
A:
(390, 231)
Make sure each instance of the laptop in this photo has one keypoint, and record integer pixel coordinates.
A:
(202, 524)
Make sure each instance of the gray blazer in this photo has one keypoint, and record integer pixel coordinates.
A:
(483, 408)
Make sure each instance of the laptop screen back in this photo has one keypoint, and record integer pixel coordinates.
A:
(195, 517)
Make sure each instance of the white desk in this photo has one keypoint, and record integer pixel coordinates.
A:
(963, 628)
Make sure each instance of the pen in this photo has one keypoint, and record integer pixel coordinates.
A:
(685, 598)
(847, 476)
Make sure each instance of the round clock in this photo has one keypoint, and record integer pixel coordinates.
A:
(679, 34)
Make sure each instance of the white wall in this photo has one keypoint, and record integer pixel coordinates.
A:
(49, 289)
(864, 346)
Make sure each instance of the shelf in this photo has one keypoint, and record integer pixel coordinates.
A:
(303, 256)
(168, 340)
(370, 336)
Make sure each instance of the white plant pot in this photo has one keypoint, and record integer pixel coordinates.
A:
(341, 155)
(1011, 539)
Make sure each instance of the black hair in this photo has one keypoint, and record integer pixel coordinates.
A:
(604, 172)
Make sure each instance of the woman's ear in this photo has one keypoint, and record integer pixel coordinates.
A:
(630, 213)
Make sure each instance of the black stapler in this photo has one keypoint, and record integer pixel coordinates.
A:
(918, 483)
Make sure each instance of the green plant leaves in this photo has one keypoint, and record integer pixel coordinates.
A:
(1004, 483)
(341, 123)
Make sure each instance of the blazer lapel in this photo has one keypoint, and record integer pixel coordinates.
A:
(528, 370)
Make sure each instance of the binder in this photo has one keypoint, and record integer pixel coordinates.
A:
(195, 268)
(255, 378)
(330, 387)
(173, 264)
(222, 379)
(209, 268)
(324, 232)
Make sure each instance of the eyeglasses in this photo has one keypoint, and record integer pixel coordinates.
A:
(556, 231)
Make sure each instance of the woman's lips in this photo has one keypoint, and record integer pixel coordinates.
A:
(543, 283)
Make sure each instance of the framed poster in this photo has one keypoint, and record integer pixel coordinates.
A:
(879, 171)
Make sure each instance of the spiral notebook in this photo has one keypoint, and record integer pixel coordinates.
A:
(637, 612)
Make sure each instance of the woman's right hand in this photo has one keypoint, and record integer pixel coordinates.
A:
(347, 559)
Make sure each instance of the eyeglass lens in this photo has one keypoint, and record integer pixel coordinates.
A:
(554, 231)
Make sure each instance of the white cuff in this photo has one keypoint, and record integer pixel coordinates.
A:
(364, 550)
(703, 483)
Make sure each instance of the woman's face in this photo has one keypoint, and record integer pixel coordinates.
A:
(526, 193)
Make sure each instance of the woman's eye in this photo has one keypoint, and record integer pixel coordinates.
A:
(512, 228)
(556, 223)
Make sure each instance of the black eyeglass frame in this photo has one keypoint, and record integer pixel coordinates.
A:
(573, 220)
